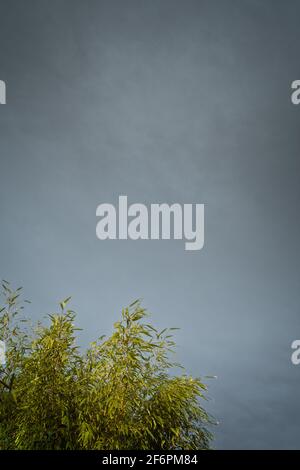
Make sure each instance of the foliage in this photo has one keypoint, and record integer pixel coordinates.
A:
(120, 394)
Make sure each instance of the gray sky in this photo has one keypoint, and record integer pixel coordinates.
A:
(164, 101)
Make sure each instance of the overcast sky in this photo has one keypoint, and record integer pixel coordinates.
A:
(163, 101)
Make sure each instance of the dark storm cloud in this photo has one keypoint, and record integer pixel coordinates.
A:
(165, 101)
